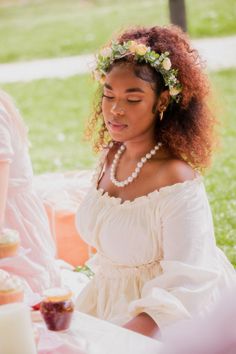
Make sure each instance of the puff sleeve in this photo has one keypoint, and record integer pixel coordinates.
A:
(192, 266)
(6, 150)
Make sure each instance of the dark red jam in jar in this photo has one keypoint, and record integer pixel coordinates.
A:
(57, 308)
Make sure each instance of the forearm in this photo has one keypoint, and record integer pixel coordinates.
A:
(143, 324)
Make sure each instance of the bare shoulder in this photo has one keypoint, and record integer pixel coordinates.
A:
(176, 171)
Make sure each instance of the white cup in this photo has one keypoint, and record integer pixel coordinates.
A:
(16, 332)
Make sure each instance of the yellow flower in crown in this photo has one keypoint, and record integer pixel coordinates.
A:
(133, 46)
(102, 79)
(141, 49)
(175, 91)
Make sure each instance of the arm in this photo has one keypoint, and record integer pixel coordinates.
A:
(143, 324)
(189, 271)
(4, 175)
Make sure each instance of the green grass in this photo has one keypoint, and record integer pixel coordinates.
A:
(54, 109)
(221, 179)
(59, 28)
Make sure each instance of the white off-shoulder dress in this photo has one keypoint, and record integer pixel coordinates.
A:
(156, 254)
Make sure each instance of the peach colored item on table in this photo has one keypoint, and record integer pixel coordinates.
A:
(62, 194)
(9, 243)
(70, 247)
(11, 288)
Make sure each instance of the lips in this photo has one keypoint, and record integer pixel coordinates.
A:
(116, 127)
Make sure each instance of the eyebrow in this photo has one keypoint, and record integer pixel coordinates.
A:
(131, 89)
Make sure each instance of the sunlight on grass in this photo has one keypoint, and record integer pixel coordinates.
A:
(56, 28)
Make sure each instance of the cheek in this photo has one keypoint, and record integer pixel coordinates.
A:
(105, 108)
(143, 109)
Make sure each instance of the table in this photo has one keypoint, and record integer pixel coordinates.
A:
(89, 335)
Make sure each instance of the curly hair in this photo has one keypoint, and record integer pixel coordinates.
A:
(187, 129)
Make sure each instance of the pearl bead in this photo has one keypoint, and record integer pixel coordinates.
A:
(139, 165)
(143, 159)
(130, 179)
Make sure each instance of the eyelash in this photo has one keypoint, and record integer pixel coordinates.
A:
(130, 101)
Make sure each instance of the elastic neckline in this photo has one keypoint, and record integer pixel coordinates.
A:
(164, 190)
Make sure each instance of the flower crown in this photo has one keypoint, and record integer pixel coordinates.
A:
(142, 53)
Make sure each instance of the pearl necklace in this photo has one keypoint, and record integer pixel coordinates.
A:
(137, 170)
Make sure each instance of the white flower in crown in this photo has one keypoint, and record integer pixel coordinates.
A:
(97, 75)
(106, 52)
(166, 64)
(174, 91)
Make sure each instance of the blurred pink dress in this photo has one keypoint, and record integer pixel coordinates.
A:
(25, 213)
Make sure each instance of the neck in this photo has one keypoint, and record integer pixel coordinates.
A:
(136, 149)
(134, 152)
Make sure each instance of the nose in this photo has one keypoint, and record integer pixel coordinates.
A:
(116, 109)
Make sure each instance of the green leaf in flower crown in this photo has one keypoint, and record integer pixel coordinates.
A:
(157, 62)
(151, 57)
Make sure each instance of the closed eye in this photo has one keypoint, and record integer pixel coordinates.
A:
(134, 101)
(129, 100)
(109, 97)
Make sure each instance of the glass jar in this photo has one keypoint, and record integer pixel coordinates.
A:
(57, 308)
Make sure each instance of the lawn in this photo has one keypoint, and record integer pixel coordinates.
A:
(56, 112)
(43, 29)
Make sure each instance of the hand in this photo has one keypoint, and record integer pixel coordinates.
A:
(143, 324)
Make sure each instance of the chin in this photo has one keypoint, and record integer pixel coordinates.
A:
(117, 137)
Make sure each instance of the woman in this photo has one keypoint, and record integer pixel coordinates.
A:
(147, 213)
(20, 208)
